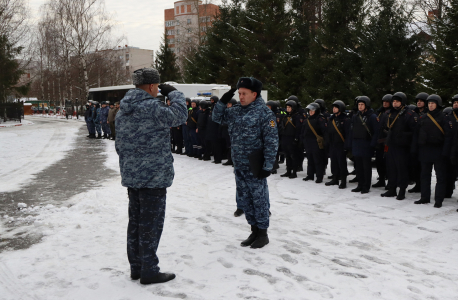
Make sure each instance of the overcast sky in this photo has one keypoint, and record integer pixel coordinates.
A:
(140, 21)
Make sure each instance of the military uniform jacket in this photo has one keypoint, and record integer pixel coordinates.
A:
(363, 138)
(97, 115)
(143, 138)
(251, 128)
(429, 141)
(343, 124)
(202, 120)
(291, 125)
(193, 116)
(398, 126)
(318, 121)
(88, 114)
(112, 114)
(213, 128)
(104, 114)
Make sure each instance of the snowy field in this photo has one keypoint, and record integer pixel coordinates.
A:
(325, 243)
(26, 150)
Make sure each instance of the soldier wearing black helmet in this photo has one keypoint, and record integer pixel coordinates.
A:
(290, 129)
(185, 129)
(432, 142)
(397, 127)
(415, 165)
(452, 120)
(274, 107)
(363, 139)
(202, 129)
(226, 137)
(193, 116)
(379, 149)
(313, 131)
(337, 133)
(213, 135)
(300, 149)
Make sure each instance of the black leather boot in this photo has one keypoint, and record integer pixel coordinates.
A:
(158, 278)
(332, 182)
(261, 240)
(238, 212)
(402, 194)
(380, 183)
(389, 193)
(251, 238)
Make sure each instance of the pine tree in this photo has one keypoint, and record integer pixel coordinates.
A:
(165, 62)
(10, 71)
(333, 70)
(390, 52)
(441, 65)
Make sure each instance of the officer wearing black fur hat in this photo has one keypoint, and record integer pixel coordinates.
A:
(379, 149)
(363, 139)
(202, 121)
(397, 126)
(290, 130)
(337, 133)
(313, 131)
(432, 142)
(213, 136)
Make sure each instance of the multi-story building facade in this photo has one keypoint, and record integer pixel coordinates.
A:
(134, 58)
(187, 23)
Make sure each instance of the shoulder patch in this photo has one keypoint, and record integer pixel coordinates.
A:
(272, 123)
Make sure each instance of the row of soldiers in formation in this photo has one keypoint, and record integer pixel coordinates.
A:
(406, 140)
(100, 119)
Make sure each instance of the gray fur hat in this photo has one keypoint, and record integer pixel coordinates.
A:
(145, 76)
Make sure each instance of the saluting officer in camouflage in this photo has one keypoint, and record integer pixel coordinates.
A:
(145, 159)
(252, 127)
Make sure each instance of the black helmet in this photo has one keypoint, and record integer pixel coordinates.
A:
(400, 96)
(188, 100)
(294, 98)
(233, 101)
(422, 96)
(314, 107)
(292, 103)
(273, 105)
(411, 107)
(435, 98)
(321, 103)
(387, 98)
(204, 104)
(447, 110)
(455, 98)
(214, 98)
(365, 100)
(196, 101)
(340, 105)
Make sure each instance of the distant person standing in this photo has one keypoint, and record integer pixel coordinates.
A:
(253, 131)
(111, 119)
(145, 159)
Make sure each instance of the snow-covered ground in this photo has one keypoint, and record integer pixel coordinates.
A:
(26, 150)
(325, 243)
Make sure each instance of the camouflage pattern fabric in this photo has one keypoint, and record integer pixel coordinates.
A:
(253, 198)
(104, 114)
(146, 222)
(106, 128)
(143, 138)
(90, 126)
(250, 128)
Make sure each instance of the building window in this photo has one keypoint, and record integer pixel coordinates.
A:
(127, 56)
(169, 23)
(171, 32)
(204, 28)
(171, 41)
(172, 50)
(189, 40)
(189, 21)
(182, 9)
(189, 8)
(177, 10)
(189, 30)
(205, 19)
(177, 32)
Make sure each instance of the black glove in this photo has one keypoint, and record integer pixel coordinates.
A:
(166, 89)
(228, 96)
(264, 174)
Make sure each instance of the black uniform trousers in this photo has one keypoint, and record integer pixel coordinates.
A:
(178, 138)
(338, 161)
(397, 167)
(146, 222)
(315, 158)
(290, 152)
(451, 178)
(363, 166)
(440, 166)
(380, 163)
(217, 149)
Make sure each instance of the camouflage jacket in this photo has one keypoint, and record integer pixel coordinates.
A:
(143, 138)
(250, 128)
(104, 114)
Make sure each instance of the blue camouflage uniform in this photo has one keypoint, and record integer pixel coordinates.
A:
(143, 145)
(89, 121)
(96, 119)
(104, 119)
(251, 128)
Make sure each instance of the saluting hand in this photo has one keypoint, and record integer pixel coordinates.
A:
(228, 96)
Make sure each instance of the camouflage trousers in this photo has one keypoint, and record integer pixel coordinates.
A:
(106, 128)
(253, 197)
(90, 127)
(98, 128)
(146, 221)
